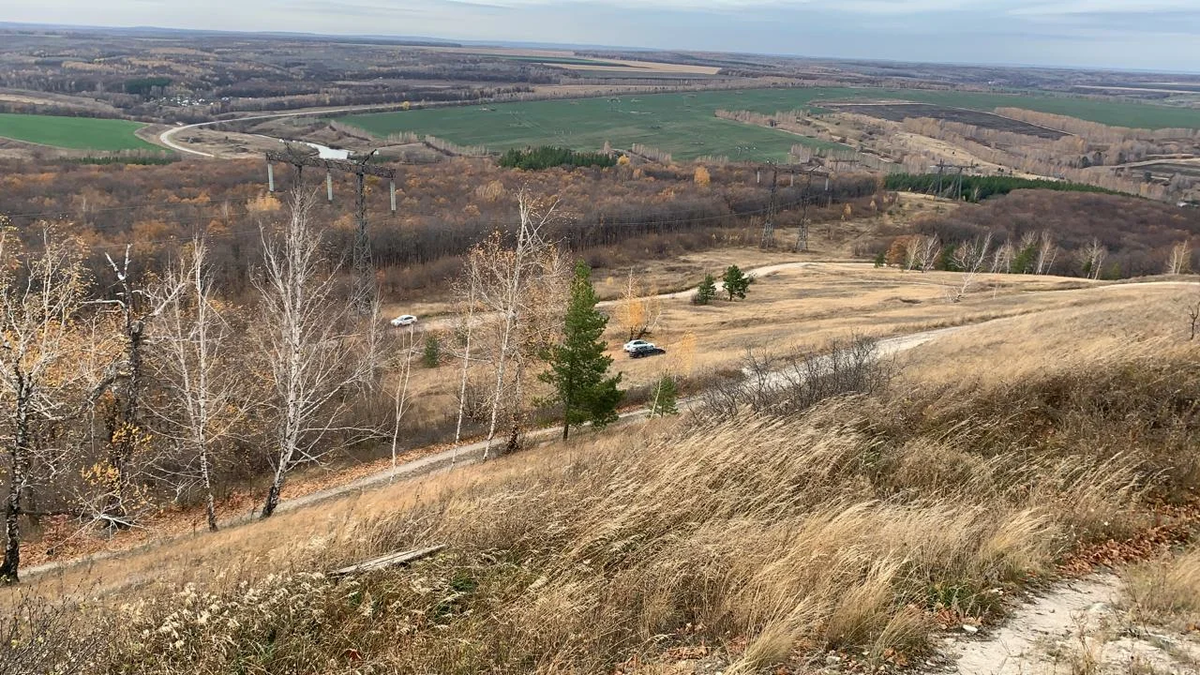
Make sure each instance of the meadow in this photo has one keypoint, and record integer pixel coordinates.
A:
(73, 133)
(684, 123)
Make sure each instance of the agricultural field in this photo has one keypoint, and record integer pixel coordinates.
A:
(898, 112)
(681, 124)
(73, 133)
(684, 123)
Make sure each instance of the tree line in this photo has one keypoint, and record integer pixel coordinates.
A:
(979, 188)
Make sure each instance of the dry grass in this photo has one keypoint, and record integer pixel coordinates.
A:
(1167, 591)
(761, 541)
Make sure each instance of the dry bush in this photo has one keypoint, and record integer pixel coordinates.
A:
(43, 635)
(783, 386)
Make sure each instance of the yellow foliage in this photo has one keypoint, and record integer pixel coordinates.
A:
(683, 354)
(702, 177)
(623, 160)
(265, 203)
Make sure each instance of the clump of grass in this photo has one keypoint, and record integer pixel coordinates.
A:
(1167, 591)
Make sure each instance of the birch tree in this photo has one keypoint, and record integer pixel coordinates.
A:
(303, 343)
(470, 282)
(201, 379)
(400, 395)
(137, 306)
(1180, 259)
(1093, 256)
(503, 286)
(1047, 251)
(41, 294)
(971, 258)
(639, 310)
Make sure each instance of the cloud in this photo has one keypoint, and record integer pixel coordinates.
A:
(1148, 34)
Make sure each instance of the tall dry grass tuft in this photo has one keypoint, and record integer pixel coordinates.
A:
(768, 539)
(1167, 591)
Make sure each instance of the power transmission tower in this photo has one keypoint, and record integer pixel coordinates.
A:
(941, 166)
(802, 232)
(364, 271)
(768, 233)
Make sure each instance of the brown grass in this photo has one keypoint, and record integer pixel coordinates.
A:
(1167, 591)
(763, 541)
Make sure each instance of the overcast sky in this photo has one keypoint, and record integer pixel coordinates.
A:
(1141, 34)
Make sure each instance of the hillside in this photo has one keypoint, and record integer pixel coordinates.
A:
(844, 536)
(1137, 233)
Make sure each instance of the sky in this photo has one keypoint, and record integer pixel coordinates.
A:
(1133, 34)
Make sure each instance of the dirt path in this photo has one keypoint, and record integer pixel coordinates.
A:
(1078, 627)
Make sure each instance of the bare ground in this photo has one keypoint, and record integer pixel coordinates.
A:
(1076, 628)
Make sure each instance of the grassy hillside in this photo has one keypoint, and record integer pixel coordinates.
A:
(74, 133)
(684, 125)
(862, 526)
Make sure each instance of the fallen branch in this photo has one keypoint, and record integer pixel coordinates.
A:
(389, 560)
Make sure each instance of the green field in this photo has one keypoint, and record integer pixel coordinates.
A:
(683, 124)
(74, 133)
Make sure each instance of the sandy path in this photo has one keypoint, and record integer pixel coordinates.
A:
(1077, 627)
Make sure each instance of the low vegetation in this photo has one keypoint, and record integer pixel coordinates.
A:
(545, 157)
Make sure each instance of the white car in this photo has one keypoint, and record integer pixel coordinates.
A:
(406, 320)
(634, 344)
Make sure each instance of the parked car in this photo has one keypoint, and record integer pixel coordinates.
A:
(646, 350)
(634, 344)
(405, 320)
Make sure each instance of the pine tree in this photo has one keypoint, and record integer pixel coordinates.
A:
(578, 366)
(666, 397)
(880, 259)
(706, 291)
(736, 282)
(431, 356)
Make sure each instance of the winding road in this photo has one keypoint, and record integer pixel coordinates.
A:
(167, 137)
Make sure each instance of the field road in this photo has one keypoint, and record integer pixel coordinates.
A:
(472, 453)
(167, 137)
(447, 322)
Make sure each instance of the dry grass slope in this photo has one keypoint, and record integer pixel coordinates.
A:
(859, 526)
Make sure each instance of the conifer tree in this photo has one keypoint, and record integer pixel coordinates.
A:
(578, 365)
(736, 282)
(706, 291)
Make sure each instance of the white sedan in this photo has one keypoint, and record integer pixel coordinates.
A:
(634, 344)
(405, 320)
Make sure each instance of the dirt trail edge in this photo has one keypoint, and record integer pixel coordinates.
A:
(1076, 627)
